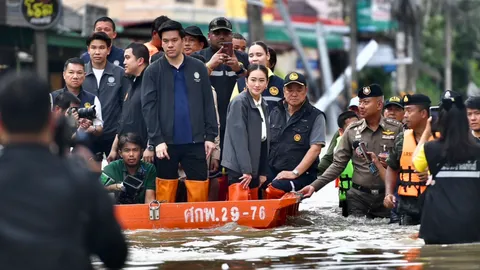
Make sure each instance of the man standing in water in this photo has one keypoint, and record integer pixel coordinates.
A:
(376, 134)
(399, 162)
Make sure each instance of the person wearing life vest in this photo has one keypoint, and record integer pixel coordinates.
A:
(412, 183)
(344, 181)
(298, 135)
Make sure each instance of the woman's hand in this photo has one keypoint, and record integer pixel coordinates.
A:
(428, 128)
(246, 178)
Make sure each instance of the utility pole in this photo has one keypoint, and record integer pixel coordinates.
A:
(256, 30)
(353, 47)
(448, 46)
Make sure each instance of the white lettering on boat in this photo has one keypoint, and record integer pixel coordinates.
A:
(229, 214)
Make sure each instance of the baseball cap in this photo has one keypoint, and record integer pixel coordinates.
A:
(294, 77)
(354, 102)
(220, 23)
(394, 101)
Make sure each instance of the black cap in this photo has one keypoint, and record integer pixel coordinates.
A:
(294, 77)
(220, 23)
(373, 90)
(449, 98)
(196, 32)
(416, 99)
(394, 101)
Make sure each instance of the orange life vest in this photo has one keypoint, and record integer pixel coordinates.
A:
(410, 184)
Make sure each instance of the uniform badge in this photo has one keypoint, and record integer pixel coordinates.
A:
(388, 132)
(196, 77)
(405, 99)
(87, 105)
(293, 76)
(116, 62)
(366, 90)
(273, 91)
(126, 96)
(297, 137)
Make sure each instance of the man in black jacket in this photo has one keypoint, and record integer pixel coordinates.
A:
(131, 120)
(179, 112)
(52, 209)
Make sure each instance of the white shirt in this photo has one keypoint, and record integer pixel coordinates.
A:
(98, 74)
(98, 121)
(264, 124)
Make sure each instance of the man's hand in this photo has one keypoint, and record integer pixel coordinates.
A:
(87, 125)
(161, 151)
(209, 147)
(217, 59)
(112, 156)
(232, 62)
(285, 175)
(389, 201)
(307, 191)
(148, 156)
(214, 165)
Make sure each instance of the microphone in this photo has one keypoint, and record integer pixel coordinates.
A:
(357, 145)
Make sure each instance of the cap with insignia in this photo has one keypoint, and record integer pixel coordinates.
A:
(294, 77)
(373, 90)
(449, 98)
(394, 101)
(416, 99)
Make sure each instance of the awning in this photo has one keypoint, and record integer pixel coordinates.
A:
(69, 40)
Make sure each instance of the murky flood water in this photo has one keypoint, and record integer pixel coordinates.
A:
(319, 238)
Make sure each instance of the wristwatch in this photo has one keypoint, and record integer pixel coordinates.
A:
(151, 147)
(242, 69)
(296, 173)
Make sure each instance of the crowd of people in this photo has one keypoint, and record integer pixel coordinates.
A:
(186, 118)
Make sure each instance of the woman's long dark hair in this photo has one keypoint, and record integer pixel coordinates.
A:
(458, 144)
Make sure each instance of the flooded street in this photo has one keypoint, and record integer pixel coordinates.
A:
(320, 238)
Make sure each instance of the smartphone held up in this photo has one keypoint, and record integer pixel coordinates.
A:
(227, 48)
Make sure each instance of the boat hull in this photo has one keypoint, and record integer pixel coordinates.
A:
(259, 214)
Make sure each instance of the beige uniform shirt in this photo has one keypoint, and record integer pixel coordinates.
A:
(376, 141)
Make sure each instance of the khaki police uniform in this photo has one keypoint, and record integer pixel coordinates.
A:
(368, 190)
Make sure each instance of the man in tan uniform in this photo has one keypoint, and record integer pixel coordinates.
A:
(365, 198)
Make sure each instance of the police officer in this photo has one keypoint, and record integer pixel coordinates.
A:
(394, 109)
(52, 208)
(400, 162)
(298, 135)
(365, 198)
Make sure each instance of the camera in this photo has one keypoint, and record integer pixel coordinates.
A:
(88, 113)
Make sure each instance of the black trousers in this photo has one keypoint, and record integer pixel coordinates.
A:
(409, 210)
(190, 156)
(102, 146)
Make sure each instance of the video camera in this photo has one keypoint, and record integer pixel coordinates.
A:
(88, 113)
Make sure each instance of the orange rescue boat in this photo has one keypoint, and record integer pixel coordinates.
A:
(259, 214)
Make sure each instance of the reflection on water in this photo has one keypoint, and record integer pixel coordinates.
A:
(319, 238)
